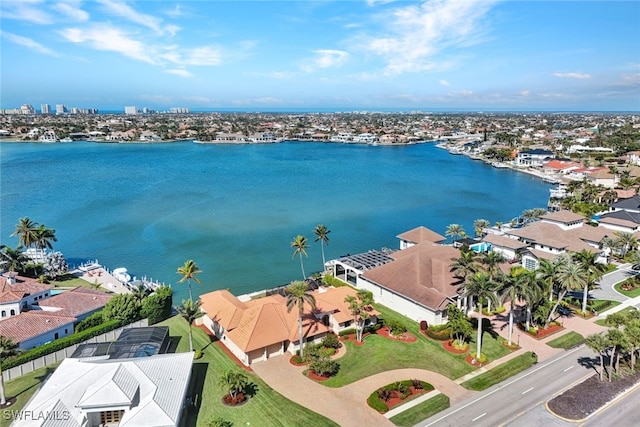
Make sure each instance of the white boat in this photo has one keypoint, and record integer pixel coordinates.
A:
(121, 275)
(67, 139)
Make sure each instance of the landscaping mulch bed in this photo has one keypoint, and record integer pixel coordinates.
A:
(352, 338)
(587, 397)
(471, 360)
(405, 337)
(512, 347)
(397, 400)
(451, 349)
(311, 374)
(543, 333)
(294, 363)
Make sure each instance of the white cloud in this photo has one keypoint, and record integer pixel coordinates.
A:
(417, 33)
(581, 76)
(176, 12)
(205, 55)
(104, 37)
(326, 58)
(28, 43)
(127, 12)
(179, 72)
(25, 10)
(525, 93)
(444, 83)
(72, 10)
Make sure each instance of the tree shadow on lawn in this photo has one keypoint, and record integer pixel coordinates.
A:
(194, 393)
(250, 389)
(487, 326)
(40, 378)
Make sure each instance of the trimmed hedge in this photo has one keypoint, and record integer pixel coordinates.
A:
(401, 387)
(330, 280)
(347, 332)
(59, 344)
(441, 335)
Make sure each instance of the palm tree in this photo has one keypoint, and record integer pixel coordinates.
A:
(7, 348)
(299, 245)
(322, 234)
(547, 272)
(480, 225)
(598, 344)
(627, 241)
(298, 295)
(190, 311)
(140, 292)
(454, 231)
(233, 381)
(513, 288)
(465, 265)
(12, 259)
(44, 237)
(589, 262)
(360, 305)
(26, 232)
(189, 271)
(491, 261)
(482, 287)
(571, 277)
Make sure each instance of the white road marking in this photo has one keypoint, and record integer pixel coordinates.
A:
(478, 417)
(527, 390)
(568, 368)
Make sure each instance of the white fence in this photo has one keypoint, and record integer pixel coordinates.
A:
(60, 355)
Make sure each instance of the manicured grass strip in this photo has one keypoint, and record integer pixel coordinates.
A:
(71, 281)
(500, 372)
(608, 305)
(603, 322)
(421, 411)
(379, 354)
(266, 408)
(567, 341)
(22, 388)
(630, 294)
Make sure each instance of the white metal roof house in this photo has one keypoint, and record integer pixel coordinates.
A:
(144, 391)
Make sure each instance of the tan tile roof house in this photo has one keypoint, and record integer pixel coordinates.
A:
(418, 283)
(257, 329)
(419, 235)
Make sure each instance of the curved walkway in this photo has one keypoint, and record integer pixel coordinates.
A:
(346, 405)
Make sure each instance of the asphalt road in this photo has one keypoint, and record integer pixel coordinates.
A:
(506, 403)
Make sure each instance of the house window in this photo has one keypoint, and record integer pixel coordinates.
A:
(109, 417)
(13, 312)
(4, 313)
(55, 336)
(65, 331)
(530, 264)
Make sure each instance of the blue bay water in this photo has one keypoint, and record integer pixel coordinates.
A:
(235, 209)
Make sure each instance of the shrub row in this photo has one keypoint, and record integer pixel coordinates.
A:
(377, 399)
(440, 335)
(330, 280)
(59, 344)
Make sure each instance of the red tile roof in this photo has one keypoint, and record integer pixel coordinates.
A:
(30, 324)
(23, 286)
(75, 302)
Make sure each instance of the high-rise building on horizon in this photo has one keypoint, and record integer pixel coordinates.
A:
(130, 109)
(27, 109)
(61, 109)
(45, 109)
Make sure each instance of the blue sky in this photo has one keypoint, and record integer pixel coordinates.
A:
(278, 55)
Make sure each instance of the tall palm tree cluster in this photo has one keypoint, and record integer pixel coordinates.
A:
(539, 292)
(621, 341)
(30, 234)
(300, 245)
(190, 310)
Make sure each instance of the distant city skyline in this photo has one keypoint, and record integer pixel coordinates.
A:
(471, 55)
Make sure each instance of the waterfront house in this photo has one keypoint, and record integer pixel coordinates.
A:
(418, 235)
(257, 329)
(557, 233)
(31, 329)
(418, 282)
(18, 294)
(78, 303)
(536, 157)
(602, 177)
(141, 391)
(508, 248)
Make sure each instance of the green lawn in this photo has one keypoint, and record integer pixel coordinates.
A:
(631, 294)
(567, 340)
(70, 281)
(421, 411)
(603, 322)
(500, 372)
(380, 354)
(23, 388)
(265, 408)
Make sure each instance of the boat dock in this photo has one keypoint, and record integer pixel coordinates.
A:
(116, 281)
